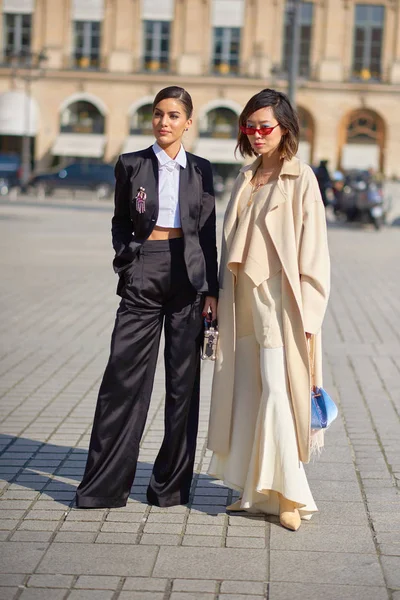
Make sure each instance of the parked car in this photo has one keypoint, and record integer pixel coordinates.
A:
(98, 177)
(10, 172)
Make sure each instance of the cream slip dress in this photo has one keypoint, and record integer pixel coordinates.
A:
(263, 458)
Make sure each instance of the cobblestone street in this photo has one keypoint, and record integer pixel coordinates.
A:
(57, 311)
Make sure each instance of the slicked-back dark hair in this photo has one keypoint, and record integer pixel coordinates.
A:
(179, 93)
(285, 115)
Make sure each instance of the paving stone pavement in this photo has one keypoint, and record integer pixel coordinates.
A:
(57, 310)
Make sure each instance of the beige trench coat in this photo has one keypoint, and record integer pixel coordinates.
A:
(296, 223)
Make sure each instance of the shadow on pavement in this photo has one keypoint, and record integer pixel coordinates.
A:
(48, 466)
(395, 222)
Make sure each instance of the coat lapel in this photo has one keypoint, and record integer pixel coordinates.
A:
(275, 220)
(184, 195)
(230, 219)
(153, 181)
(278, 196)
(147, 177)
(231, 212)
(228, 230)
(278, 220)
(246, 173)
(189, 192)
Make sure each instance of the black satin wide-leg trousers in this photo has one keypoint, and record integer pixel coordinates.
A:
(157, 291)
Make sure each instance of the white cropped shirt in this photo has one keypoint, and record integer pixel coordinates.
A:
(168, 186)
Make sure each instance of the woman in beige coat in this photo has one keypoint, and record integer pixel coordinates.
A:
(274, 287)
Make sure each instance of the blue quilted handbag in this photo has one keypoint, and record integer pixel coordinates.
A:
(323, 409)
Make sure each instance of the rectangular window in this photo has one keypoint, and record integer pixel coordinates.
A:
(306, 23)
(226, 50)
(87, 36)
(368, 41)
(17, 36)
(156, 45)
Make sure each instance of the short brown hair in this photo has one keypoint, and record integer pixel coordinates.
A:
(284, 114)
(178, 93)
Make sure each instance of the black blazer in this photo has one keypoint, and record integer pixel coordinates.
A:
(131, 228)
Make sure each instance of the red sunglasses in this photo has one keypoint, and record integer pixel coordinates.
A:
(254, 130)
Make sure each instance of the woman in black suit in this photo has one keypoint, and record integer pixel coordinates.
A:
(163, 233)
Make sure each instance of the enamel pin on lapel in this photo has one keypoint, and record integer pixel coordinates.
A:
(141, 200)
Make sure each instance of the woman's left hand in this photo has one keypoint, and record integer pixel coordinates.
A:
(210, 305)
(308, 335)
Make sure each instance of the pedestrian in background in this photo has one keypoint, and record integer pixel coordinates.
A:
(163, 233)
(324, 182)
(274, 286)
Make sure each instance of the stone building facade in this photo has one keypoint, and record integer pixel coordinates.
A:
(106, 59)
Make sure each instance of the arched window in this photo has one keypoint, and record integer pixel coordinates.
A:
(141, 121)
(363, 141)
(220, 123)
(82, 117)
(363, 128)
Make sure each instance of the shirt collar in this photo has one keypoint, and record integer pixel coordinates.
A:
(163, 157)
